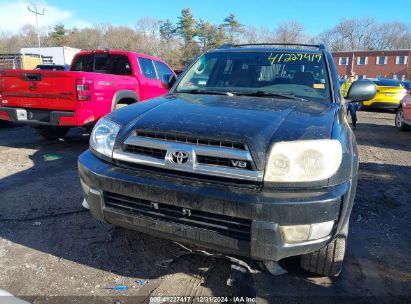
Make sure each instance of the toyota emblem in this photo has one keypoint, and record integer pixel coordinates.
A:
(180, 157)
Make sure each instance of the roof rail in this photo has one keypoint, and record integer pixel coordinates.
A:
(227, 46)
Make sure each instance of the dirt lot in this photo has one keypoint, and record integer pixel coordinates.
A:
(51, 249)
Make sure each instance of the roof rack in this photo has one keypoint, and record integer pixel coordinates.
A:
(227, 46)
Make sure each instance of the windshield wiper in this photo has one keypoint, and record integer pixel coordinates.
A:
(206, 92)
(269, 94)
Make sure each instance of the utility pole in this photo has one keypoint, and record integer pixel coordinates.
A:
(352, 62)
(36, 12)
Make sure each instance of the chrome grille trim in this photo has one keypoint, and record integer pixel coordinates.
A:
(199, 150)
(180, 138)
(191, 166)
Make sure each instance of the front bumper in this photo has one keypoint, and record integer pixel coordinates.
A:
(79, 117)
(237, 220)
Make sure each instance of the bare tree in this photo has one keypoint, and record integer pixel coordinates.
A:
(393, 35)
(86, 39)
(351, 34)
(121, 38)
(148, 27)
(28, 34)
(290, 32)
(252, 34)
(178, 43)
(357, 32)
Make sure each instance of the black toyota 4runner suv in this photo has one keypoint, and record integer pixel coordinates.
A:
(250, 153)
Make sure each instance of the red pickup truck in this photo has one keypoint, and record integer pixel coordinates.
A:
(98, 82)
(403, 114)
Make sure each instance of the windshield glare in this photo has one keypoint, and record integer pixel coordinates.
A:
(300, 74)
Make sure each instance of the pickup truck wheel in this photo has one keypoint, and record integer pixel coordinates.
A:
(399, 120)
(328, 260)
(51, 132)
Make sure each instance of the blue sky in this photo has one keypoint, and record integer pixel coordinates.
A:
(316, 15)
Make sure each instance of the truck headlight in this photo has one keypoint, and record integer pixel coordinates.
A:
(103, 136)
(303, 160)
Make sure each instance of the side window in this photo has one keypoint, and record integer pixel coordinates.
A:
(112, 64)
(83, 63)
(119, 65)
(147, 68)
(162, 69)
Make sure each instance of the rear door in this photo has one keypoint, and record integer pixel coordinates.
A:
(150, 83)
(109, 73)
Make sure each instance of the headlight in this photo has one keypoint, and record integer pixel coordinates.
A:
(303, 161)
(103, 136)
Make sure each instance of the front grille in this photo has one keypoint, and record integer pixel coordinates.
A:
(156, 153)
(236, 228)
(223, 162)
(192, 140)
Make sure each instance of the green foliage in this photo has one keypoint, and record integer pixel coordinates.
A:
(209, 35)
(233, 28)
(186, 26)
(58, 34)
(180, 42)
(167, 30)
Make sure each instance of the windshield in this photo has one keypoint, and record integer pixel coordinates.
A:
(263, 73)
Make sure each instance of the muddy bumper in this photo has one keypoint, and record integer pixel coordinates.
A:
(46, 117)
(241, 220)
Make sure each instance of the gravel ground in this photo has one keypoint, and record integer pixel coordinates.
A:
(53, 251)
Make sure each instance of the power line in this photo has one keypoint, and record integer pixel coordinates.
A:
(35, 10)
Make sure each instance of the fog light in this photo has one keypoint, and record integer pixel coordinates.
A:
(321, 230)
(301, 233)
(295, 233)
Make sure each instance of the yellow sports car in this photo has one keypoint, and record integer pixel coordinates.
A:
(390, 92)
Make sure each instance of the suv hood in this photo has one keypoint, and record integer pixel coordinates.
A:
(255, 121)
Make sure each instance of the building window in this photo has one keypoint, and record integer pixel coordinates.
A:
(362, 76)
(380, 76)
(401, 60)
(381, 60)
(362, 60)
(343, 61)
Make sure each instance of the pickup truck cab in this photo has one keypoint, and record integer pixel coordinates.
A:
(250, 153)
(97, 83)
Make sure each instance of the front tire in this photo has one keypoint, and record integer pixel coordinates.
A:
(52, 132)
(328, 260)
(399, 120)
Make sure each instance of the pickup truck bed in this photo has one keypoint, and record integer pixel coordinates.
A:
(96, 84)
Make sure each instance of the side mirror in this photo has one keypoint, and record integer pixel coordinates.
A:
(361, 90)
(168, 80)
